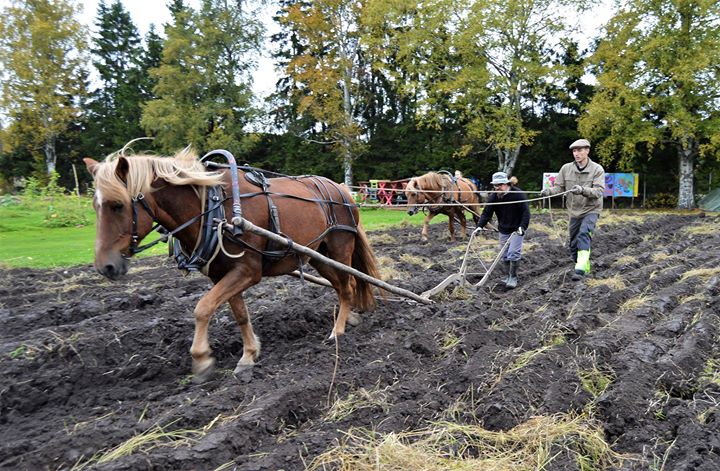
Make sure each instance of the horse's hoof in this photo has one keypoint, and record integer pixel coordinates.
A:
(354, 319)
(334, 335)
(243, 371)
(202, 371)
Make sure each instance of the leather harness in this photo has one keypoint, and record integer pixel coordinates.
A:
(213, 218)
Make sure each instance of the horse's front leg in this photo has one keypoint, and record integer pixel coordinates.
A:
(463, 224)
(233, 283)
(451, 225)
(251, 344)
(426, 224)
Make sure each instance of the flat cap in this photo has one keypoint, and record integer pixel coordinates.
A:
(580, 143)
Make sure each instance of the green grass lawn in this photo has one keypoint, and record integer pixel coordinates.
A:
(29, 236)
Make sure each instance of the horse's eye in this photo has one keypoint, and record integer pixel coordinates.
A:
(116, 207)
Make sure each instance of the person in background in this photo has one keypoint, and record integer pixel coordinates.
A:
(513, 216)
(585, 180)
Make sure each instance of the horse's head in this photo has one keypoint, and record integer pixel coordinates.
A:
(414, 196)
(114, 209)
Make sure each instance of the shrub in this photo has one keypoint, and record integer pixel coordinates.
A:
(662, 200)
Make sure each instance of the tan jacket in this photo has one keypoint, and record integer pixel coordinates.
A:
(592, 179)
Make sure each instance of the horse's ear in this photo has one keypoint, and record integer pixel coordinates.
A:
(122, 168)
(91, 165)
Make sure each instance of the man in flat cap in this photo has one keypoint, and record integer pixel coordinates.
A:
(585, 181)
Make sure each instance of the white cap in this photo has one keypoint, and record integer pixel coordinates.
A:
(580, 143)
(499, 178)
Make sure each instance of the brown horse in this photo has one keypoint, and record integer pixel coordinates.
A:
(442, 193)
(133, 192)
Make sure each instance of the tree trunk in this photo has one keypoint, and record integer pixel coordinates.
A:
(346, 139)
(686, 190)
(50, 155)
(347, 165)
(507, 158)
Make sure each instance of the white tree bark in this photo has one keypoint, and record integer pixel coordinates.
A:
(686, 190)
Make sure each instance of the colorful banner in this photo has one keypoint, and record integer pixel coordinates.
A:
(549, 179)
(621, 184)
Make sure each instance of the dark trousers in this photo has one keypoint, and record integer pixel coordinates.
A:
(581, 231)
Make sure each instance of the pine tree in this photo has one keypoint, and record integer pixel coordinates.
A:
(114, 112)
(203, 94)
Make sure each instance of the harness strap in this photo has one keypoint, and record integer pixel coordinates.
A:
(206, 247)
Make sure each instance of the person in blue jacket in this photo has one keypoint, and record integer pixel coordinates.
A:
(510, 205)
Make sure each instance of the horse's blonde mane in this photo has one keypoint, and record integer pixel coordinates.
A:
(429, 181)
(183, 168)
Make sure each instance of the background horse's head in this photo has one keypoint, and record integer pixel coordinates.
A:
(421, 190)
(120, 183)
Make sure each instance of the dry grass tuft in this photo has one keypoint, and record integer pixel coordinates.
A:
(416, 260)
(658, 257)
(691, 298)
(448, 446)
(595, 381)
(154, 437)
(711, 373)
(616, 283)
(448, 341)
(360, 399)
(634, 303)
(381, 238)
(386, 267)
(625, 260)
(612, 218)
(704, 273)
(708, 229)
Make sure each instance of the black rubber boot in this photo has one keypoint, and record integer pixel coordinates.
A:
(512, 280)
(506, 270)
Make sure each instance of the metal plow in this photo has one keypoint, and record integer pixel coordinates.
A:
(472, 255)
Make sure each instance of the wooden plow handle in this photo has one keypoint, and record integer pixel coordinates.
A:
(245, 225)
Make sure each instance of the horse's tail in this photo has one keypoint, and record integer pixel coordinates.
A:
(363, 259)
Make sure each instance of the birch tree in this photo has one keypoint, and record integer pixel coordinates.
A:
(328, 71)
(42, 51)
(659, 85)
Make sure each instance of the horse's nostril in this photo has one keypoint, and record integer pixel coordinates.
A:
(109, 270)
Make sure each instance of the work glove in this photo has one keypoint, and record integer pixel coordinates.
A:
(545, 192)
(577, 189)
(520, 231)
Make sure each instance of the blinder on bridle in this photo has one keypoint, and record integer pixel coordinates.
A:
(134, 237)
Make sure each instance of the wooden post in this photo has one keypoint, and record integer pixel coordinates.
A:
(246, 225)
(77, 184)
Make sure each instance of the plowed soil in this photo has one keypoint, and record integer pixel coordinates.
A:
(88, 364)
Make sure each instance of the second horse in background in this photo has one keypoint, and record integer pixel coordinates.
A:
(441, 193)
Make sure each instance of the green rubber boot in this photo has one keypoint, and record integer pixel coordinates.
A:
(582, 267)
